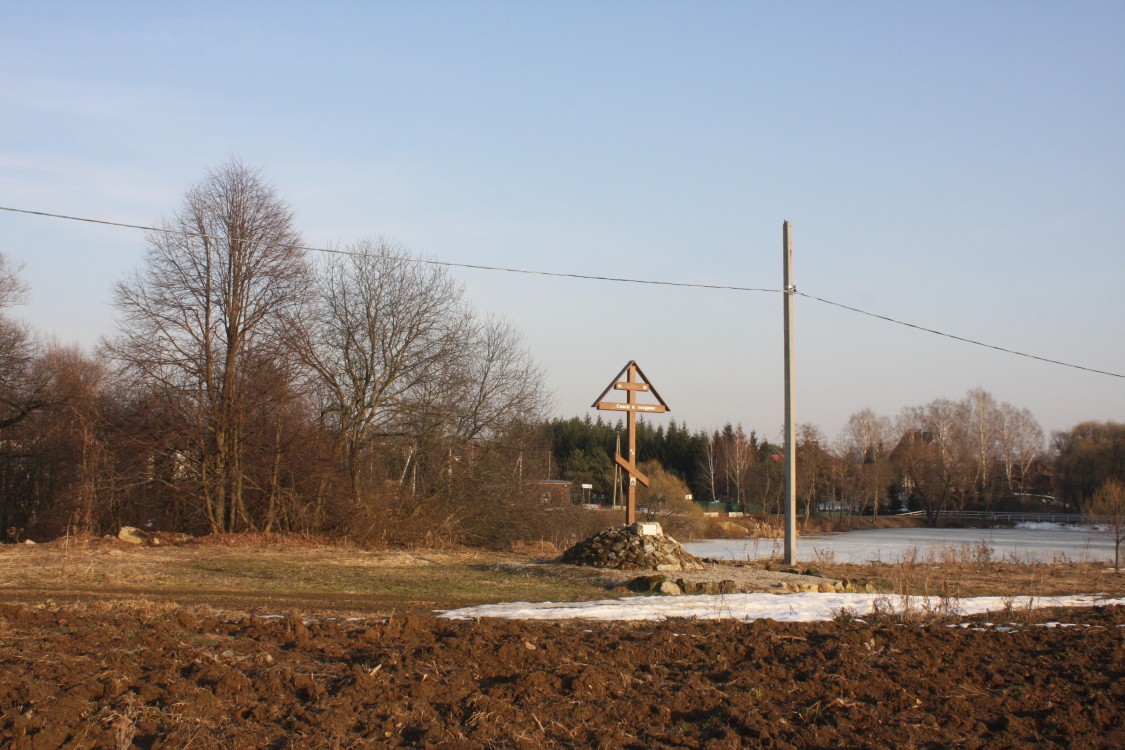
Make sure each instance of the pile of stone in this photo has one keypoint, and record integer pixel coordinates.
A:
(638, 546)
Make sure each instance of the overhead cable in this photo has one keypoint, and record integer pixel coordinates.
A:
(427, 261)
(590, 277)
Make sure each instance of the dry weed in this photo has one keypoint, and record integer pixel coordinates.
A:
(540, 548)
(823, 556)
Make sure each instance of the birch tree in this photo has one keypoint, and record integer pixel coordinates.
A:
(863, 444)
(1020, 442)
(982, 417)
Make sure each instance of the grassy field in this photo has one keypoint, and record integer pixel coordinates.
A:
(278, 574)
(252, 573)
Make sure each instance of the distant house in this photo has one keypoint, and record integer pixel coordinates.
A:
(911, 440)
(1037, 478)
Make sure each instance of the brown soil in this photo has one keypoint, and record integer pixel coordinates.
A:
(166, 677)
(110, 646)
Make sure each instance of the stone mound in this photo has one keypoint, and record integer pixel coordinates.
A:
(639, 546)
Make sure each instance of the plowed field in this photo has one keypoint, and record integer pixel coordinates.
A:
(160, 676)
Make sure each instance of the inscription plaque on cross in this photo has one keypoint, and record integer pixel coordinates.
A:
(635, 382)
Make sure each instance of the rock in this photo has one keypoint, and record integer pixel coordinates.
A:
(646, 584)
(30, 542)
(668, 588)
(856, 586)
(708, 587)
(131, 535)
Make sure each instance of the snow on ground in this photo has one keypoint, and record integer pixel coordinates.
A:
(806, 607)
(1053, 526)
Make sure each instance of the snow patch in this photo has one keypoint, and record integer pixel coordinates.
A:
(807, 607)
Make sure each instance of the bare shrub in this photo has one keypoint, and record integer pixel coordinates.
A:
(824, 556)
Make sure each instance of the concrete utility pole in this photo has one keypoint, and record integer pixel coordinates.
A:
(788, 292)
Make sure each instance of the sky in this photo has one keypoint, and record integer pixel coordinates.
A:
(959, 166)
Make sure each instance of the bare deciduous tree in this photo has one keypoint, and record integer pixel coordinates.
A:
(709, 466)
(814, 467)
(1020, 442)
(736, 456)
(218, 285)
(1107, 508)
(21, 391)
(953, 453)
(384, 332)
(931, 455)
(864, 444)
(982, 416)
(498, 382)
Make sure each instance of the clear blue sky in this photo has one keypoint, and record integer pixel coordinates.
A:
(958, 165)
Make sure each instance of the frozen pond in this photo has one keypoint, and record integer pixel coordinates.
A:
(1031, 542)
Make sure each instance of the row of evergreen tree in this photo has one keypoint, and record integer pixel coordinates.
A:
(583, 450)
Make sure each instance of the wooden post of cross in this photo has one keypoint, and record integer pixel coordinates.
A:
(635, 382)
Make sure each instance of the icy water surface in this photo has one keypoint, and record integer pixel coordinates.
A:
(1039, 542)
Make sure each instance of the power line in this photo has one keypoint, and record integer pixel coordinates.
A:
(428, 261)
(955, 337)
(590, 277)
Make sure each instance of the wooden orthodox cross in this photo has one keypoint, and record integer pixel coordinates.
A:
(635, 382)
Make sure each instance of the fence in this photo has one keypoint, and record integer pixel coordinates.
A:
(988, 515)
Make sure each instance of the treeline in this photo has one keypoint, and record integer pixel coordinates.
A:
(970, 454)
(249, 387)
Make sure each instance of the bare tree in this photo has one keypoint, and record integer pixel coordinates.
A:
(1020, 442)
(218, 285)
(814, 466)
(21, 390)
(737, 458)
(71, 430)
(385, 331)
(1085, 456)
(498, 382)
(982, 415)
(864, 446)
(1107, 508)
(665, 499)
(13, 289)
(931, 456)
(709, 470)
